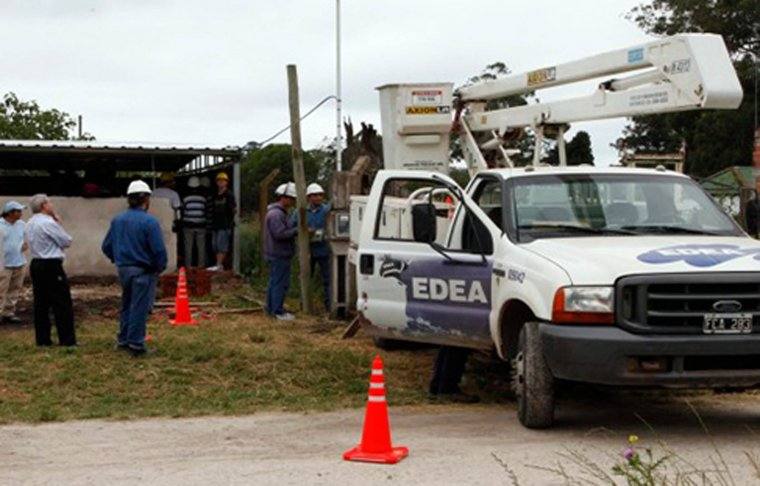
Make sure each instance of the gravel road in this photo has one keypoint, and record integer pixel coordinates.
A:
(448, 444)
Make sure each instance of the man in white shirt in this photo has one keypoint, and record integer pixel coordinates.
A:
(47, 240)
(166, 190)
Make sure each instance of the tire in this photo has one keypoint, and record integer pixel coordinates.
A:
(532, 381)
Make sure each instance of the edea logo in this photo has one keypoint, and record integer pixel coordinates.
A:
(698, 255)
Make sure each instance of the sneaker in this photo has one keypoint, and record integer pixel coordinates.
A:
(121, 347)
(137, 352)
(457, 397)
(12, 319)
(215, 268)
(285, 316)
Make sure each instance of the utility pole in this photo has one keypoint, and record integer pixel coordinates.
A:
(304, 256)
(338, 99)
(79, 124)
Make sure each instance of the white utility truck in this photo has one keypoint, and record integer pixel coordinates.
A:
(605, 275)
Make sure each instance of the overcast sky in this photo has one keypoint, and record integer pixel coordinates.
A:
(213, 72)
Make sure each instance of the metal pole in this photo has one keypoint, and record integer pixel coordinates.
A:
(338, 99)
(561, 148)
(80, 126)
(236, 185)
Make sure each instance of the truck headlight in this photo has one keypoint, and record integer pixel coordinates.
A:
(584, 305)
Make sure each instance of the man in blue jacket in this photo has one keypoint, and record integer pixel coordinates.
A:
(135, 244)
(316, 218)
(279, 247)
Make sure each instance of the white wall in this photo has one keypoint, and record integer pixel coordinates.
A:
(87, 221)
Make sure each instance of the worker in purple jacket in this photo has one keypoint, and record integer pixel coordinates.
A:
(279, 247)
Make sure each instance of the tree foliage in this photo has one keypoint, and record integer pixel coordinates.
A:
(714, 139)
(259, 162)
(578, 151)
(525, 142)
(25, 120)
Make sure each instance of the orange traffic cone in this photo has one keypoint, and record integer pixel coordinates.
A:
(376, 437)
(182, 316)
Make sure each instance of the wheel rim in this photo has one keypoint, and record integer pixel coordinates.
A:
(519, 374)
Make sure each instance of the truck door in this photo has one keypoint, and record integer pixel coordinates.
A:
(413, 282)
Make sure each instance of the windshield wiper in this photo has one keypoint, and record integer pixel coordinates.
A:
(584, 229)
(664, 228)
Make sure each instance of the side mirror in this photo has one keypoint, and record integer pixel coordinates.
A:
(424, 223)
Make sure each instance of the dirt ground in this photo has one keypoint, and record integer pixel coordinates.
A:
(481, 444)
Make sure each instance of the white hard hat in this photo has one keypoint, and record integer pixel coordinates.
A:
(289, 190)
(314, 188)
(280, 189)
(138, 187)
(193, 182)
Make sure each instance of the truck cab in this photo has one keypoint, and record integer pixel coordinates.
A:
(612, 276)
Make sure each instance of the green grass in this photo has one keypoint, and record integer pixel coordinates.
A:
(228, 365)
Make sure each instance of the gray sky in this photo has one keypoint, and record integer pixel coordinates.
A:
(214, 72)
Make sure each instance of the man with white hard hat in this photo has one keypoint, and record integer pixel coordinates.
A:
(134, 243)
(316, 219)
(279, 247)
(47, 241)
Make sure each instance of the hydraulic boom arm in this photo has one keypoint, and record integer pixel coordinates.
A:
(679, 73)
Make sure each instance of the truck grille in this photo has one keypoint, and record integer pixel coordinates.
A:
(677, 303)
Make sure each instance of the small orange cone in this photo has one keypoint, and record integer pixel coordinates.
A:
(376, 437)
(182, 316)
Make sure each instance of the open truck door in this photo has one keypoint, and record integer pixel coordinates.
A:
(425, 262)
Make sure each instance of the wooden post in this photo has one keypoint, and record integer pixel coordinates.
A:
(304, 256)
(264, 202)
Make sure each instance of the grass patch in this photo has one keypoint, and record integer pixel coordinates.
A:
(232, 364)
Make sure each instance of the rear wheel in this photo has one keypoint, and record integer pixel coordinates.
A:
(532, 381)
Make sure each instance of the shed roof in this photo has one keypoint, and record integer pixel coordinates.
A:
(731, 179)
(129, 156)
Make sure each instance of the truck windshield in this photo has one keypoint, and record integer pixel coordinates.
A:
(552, 206)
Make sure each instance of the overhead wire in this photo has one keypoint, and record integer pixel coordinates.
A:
(312, 110)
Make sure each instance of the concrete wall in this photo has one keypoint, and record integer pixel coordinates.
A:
(87, 221)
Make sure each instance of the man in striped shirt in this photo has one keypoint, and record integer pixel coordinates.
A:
(194, 224)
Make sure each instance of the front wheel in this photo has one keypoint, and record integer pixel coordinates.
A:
(532, 381)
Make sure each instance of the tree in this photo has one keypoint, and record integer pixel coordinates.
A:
(578, 151)
(524, 141)
(25, 120)
(259, 162)
(714, 139)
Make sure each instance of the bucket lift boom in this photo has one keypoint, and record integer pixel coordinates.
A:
(678, 73)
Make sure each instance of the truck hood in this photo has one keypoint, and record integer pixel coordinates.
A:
(602, 260)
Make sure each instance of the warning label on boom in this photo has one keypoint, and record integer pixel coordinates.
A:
(541, 76)
(428, 110)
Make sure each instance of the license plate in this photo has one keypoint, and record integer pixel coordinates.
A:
(727, 324)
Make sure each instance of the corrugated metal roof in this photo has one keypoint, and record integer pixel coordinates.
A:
(126, 146)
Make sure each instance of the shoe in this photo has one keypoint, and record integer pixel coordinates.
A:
(138, 352)
(285, 316)
(458, 397)
(12, 320)
(215, 268)
(121, 347)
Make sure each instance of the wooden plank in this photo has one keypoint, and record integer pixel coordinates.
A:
(300, 180)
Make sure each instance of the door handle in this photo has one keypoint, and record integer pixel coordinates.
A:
(367, 264)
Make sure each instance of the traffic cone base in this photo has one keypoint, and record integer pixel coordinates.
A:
(391, 457)
(375, 445)
(175, 323)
